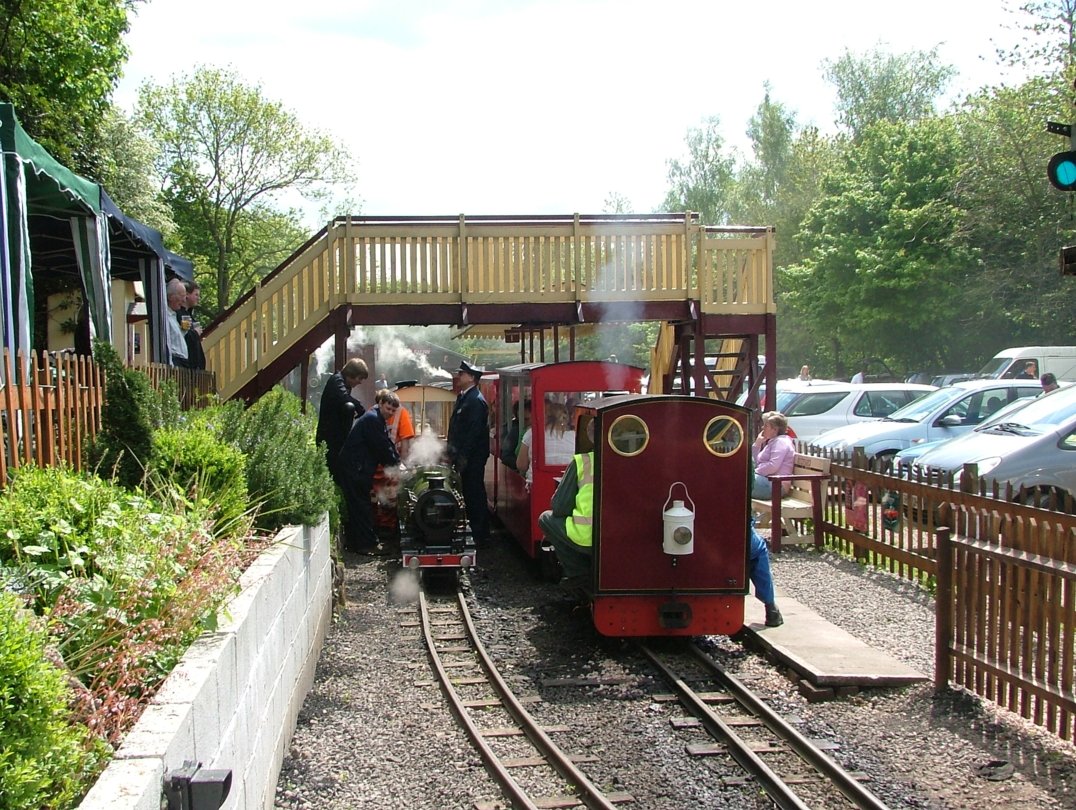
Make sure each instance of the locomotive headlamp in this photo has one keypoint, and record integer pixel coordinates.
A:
(679, 522)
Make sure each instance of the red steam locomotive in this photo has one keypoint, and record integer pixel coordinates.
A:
(671, 499)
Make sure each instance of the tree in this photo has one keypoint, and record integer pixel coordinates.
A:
(227, 154)
(886, 87)
(263, 238)
(1051, 45)
(703, 183)
(772, 132)
(59, 63)
(127, 169)
(883, 252)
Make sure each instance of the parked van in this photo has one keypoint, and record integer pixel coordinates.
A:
(1011, 363)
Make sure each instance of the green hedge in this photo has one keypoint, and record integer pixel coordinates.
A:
(46, 757)
(207, 471)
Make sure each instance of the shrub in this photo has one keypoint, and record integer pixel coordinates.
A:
(208, 471)
(126, 583)
(122, 447)
(286, 472)
(45, 757)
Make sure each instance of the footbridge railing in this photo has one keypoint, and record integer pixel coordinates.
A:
(475, 269)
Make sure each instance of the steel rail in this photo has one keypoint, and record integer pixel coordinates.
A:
(775, 787)
(825, 765)
(515, 792)
(588, 793)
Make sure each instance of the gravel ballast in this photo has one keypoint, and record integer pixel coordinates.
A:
(375, 731)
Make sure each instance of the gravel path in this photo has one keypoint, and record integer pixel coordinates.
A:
(375, 732)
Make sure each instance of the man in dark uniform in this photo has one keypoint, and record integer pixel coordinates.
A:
(336, 415)
(468, 448)
(366, 446)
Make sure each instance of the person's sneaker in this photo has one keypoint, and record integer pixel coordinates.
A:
(773, 616)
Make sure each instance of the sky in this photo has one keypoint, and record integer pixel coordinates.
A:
(541, 106)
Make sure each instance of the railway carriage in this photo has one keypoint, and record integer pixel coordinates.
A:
(516, 501)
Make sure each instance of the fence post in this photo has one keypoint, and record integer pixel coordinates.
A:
(859, 462)
(943, 609)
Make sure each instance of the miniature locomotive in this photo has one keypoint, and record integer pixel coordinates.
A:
(433, 525)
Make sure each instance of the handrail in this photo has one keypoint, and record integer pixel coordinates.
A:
(468, 261)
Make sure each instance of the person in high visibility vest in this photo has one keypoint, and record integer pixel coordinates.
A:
(568, 523)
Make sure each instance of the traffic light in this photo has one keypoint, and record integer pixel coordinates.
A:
(1067, 260)
(1061, 170)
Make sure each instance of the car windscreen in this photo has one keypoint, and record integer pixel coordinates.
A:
(922, 408)
(995, 366)
(1047, 410)
(812, 403)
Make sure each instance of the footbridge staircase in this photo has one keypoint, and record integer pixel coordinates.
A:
(711, 287)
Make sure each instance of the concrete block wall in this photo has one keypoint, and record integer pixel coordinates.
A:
(232, 701)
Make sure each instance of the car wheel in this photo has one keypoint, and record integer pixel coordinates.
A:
(884, 460)
(1056, 500)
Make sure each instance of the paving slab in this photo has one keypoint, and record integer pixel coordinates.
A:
(821, 652)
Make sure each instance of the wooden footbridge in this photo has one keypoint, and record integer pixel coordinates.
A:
(532, 274)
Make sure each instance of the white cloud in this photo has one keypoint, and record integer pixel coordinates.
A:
(537, 106)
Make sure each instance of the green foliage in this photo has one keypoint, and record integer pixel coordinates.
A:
(59, 63)
(1015, 216)
(286, 470)
(126, 582)
(126, 167)
(880, 86)
(227, 152)
(262, 240)
(881, 240)
(123, 446)
(45, 755)
(704, 182)
(207, 471)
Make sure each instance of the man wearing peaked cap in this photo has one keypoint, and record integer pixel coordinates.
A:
(468, 448)
(474, 371)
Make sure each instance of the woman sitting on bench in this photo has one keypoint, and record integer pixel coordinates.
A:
(774, 453)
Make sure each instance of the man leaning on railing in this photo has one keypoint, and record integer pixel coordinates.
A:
(177, 343)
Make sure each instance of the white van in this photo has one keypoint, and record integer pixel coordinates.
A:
(1011, 363)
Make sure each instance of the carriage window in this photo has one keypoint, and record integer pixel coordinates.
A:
(628, 435)
(723, 436)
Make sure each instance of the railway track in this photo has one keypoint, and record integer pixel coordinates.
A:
(766, 746)
(517, 751)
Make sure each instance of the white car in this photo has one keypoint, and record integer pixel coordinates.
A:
(943, 414)
(815, 406)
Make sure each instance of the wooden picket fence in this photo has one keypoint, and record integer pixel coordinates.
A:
(1003, 573)
(50, 405)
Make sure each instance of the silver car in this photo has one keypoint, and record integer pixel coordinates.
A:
(1034, 450)
(943, 414)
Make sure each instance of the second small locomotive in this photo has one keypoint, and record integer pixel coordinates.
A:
(433, 525)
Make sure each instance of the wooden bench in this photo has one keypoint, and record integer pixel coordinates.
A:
(803, 501)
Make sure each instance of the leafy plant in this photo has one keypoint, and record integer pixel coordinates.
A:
(126, 582)
(124, 444)
(46, 756)
(206, 470)
(286, 471)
